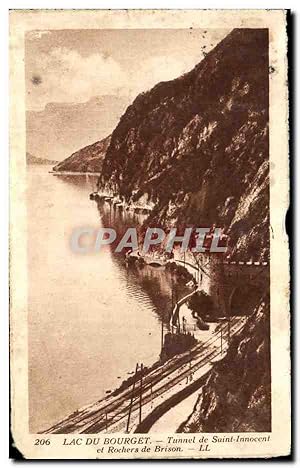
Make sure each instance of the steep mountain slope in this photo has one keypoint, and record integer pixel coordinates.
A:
(62, 128)
(237, 394)
(198, 146)
(88, 159)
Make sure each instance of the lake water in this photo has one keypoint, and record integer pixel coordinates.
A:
(91, 319)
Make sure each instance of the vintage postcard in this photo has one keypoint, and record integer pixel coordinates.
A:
(149, 263)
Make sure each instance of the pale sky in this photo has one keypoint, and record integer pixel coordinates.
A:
(75, 65)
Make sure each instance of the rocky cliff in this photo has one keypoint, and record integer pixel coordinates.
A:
(88, 159)
(237, 394)
(60, 129)
(197, 146)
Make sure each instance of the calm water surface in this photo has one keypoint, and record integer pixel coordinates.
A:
(90, 318)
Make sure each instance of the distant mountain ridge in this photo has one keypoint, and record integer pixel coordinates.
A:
(198, 146)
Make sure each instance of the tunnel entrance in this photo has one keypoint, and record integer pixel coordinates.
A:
(243, 299)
